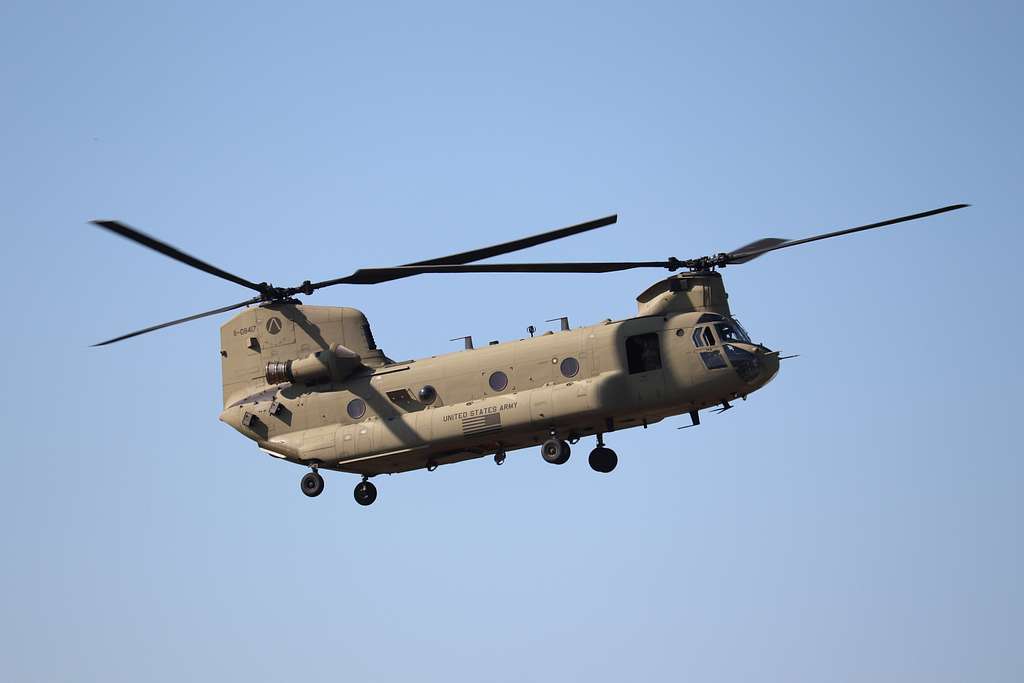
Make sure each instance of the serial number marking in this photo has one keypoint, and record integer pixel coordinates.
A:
(244, 330)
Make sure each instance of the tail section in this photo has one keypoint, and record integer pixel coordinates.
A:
(283, 332)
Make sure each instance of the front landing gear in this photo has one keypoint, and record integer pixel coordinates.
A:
(365, 492)
(312, 484)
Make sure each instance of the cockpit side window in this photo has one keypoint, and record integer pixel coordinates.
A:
(698, 340)
(709, 338)
(713, 360)
(643, 353)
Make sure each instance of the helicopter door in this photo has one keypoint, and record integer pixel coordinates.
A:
(644, 362)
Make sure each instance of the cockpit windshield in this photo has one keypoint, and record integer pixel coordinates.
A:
(732, 332)
(742, 329)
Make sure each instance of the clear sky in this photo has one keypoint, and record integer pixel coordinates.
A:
(858, 519)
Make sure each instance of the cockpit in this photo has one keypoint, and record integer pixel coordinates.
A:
(717, 338)
(729, 330)
(732, 331)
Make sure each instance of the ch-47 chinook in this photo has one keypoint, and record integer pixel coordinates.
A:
(309, 385)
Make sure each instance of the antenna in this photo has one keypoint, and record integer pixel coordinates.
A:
(564, 320)
(468, 339)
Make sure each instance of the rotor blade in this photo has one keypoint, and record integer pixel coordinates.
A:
(225, 309)
(176, 254)
(467, 256)
(370, 276)
(516, 245)
(754, 247)
(745, 253)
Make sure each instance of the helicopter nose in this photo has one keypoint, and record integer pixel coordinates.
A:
(755, 364)
(768, 366)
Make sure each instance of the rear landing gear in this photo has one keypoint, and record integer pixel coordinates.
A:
(555, 451)
(603, 459)
(312, 484)
(365, 492)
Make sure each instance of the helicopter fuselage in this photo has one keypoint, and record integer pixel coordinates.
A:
(505, 396)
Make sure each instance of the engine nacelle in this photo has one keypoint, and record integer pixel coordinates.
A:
(333, 364)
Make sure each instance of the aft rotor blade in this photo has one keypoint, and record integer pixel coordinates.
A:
(215, 311)
(745, 254)
(174, 253)
(370, 276)
(516, 245)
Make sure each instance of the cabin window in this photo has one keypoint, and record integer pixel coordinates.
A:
(569, 367)
(643, 353)
(427, 394)
(356, 408)
(713, 359)
(498, 380)
(709, 337)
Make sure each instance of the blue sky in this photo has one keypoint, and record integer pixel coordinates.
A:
(859, 518)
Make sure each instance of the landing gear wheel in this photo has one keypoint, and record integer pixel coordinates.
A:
(603, 459)
(499, 458)
(555, 452)
(365, 493)
(312, 484)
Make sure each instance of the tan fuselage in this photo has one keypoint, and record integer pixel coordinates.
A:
(606, 385)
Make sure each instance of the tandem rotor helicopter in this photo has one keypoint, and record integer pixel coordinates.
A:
(309, 385)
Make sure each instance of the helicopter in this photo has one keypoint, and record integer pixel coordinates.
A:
(309, 385)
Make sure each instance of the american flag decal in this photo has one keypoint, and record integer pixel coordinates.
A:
(481, 424)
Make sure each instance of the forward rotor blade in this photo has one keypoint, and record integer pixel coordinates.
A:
(215, 311)
(176, 254)
(516, 245)
(370, 276)
(466, 256)
(745, 254)
(754, 249)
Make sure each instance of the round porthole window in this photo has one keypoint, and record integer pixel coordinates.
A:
(356, 408)
(427, 394)
(498, 381)
(570, 367)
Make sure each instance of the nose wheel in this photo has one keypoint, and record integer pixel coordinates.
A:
(365, 493)
(312, 484)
